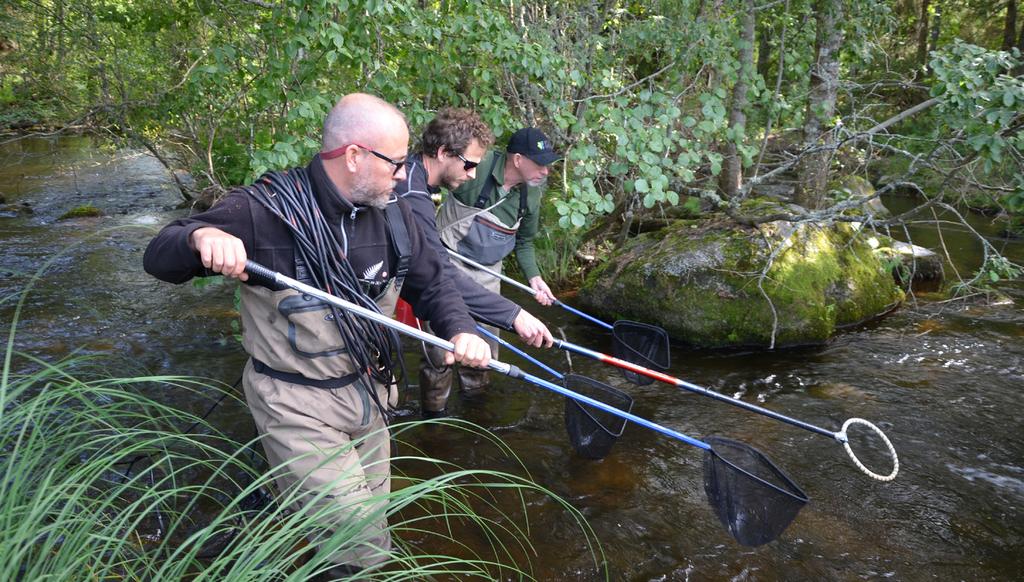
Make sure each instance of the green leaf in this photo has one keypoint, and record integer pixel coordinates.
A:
(995, 150)
(642, 186)
(578, 219)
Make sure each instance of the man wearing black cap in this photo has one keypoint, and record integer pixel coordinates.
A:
(486, 219)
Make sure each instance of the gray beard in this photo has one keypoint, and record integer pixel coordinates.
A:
(363, 195)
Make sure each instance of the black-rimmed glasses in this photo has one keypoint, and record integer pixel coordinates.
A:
(398, 164)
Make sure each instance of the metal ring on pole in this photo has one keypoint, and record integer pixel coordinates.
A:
(842, 437)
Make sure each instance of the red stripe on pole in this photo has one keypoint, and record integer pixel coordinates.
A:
(639, 369)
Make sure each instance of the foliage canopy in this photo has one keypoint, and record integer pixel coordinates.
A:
(644, 98)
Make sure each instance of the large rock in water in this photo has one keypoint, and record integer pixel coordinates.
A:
(702, 282)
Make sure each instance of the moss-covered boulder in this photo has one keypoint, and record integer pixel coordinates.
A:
(703, 282)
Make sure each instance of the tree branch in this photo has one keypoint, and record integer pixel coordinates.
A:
(853, 138)
(260, 3)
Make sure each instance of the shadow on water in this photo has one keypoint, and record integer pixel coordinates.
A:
(942, 379)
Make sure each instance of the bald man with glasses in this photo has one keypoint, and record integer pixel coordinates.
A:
(319, 392)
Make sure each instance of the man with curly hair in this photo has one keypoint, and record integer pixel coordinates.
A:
(451, 148)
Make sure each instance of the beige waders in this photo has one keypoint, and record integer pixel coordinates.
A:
(436, 378)
(328, 447)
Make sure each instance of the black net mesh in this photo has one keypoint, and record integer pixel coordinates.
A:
(592, 431)
(753, 498)
(641, 344)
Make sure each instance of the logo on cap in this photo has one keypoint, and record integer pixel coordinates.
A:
(540, 145)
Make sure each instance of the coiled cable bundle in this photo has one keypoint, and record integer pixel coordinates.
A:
(373, 348)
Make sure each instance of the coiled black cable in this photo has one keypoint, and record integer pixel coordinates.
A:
(373, 348)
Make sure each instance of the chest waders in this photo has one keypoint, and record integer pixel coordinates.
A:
(474, 231)
(319, 379)
(297, 338)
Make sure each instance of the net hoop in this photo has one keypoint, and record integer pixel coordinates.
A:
(841, 435)
(753, 498)
(642, 344)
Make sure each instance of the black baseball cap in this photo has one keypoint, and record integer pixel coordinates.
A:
(532, 143)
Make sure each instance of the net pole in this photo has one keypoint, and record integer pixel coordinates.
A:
(558, 375)
(529, 290)
(695, 388)
(276, 280)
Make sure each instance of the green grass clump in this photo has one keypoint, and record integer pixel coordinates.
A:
(102, 482)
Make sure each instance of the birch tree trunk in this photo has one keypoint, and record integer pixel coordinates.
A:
(732, 165)
(922, 33)
(812, 171)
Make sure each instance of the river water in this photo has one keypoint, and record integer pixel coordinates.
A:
(943, 379)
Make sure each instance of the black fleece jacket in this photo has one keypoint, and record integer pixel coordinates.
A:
(483, 304)
(365, 242)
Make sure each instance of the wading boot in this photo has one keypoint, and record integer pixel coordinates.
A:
(435, 386)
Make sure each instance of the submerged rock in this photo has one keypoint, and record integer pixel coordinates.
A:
(12, 210)
(919, 267)
(83, 211)
(703, 282)
(1012, 225)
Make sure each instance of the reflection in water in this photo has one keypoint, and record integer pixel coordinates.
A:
(1011, 484)
(942, 379)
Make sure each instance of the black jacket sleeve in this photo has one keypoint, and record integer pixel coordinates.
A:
(432, 295)
(484, 305)
(169, 257)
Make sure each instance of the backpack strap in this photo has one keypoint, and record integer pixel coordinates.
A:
(522, 201)
(398, 232)
(489, 184)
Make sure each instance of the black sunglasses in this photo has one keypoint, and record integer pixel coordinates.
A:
(466, 164)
